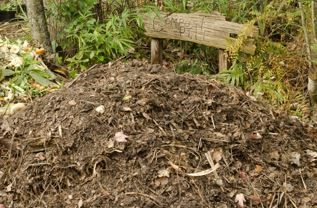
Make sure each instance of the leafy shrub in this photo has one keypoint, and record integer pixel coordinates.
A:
(20, 69)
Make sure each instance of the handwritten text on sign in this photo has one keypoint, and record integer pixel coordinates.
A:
(208, 29)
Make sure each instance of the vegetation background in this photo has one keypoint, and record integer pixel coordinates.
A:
(87, 32)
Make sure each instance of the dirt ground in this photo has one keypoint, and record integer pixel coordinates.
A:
(133, 135)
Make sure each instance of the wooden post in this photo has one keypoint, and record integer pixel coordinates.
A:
(156, 51)
(223, 60)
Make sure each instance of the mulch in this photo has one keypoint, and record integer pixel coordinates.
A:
(135, 135)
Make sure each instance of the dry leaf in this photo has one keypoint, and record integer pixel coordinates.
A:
(295, 158)
(256, 200)
(110, 144)
(127, 98)
(288, 187)
(255, 136)
(126, 109)
(164, 173)
(312, 154)
(9, 187)
(275, 155)
(12, 108)
(120, 137)
(258, 169)
(161, 182)
(244, 176)
(217, 155)
(240, 200)
(72, 102)
(80, 203)
(100, 109)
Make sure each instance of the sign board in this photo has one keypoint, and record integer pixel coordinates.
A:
(202, 28)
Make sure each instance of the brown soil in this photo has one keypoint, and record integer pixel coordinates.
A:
(60, 152)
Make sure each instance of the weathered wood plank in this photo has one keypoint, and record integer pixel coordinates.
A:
(156, 51)
(207, 29)
(223, 60)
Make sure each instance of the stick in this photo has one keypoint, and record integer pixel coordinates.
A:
(306, 34)
(313, 19)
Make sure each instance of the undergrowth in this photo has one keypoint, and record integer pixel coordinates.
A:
(92, 31)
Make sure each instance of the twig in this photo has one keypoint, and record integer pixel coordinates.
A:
(213, 122)
(271, 204)
(305, 34)
(301, 176)
(313, 19)
(292, 201)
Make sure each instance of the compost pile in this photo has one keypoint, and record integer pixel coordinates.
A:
(134, 135)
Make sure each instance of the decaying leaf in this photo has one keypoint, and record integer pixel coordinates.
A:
(217, 155)
(312, 155)
(120, 137)
(164, 173)
(12, 108)
(126, 109)
(287, 187)
(80, 203)
(161, 182)
(240, 199)
(258, 169)
(127, 98)
(255, 136)
(256, 200)
(100, 109)
(9, 187)
(295, 158)
(275, 155)
(72, 103)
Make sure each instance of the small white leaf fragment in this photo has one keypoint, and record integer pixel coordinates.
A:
(110, 144)
(9, 187)
(312, 155)
(288, 187)
(126, 109)
(240, 199)
(120, 137)
(100, 109)
(217, 155)
(164, 173)
(127, 98)
(72, 102)
(80, 203)
(295, 158)
(12, 108)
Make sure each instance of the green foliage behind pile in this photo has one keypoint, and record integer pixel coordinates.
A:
(88, 39)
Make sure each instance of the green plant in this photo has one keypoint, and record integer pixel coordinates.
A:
(234, 76)
(87, 39)
(193, 67)
(20, 68)
(99, 42)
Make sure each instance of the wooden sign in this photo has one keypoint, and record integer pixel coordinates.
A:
(207, 29)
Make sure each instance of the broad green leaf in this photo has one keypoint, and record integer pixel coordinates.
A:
(7, 72)
(39, 79)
